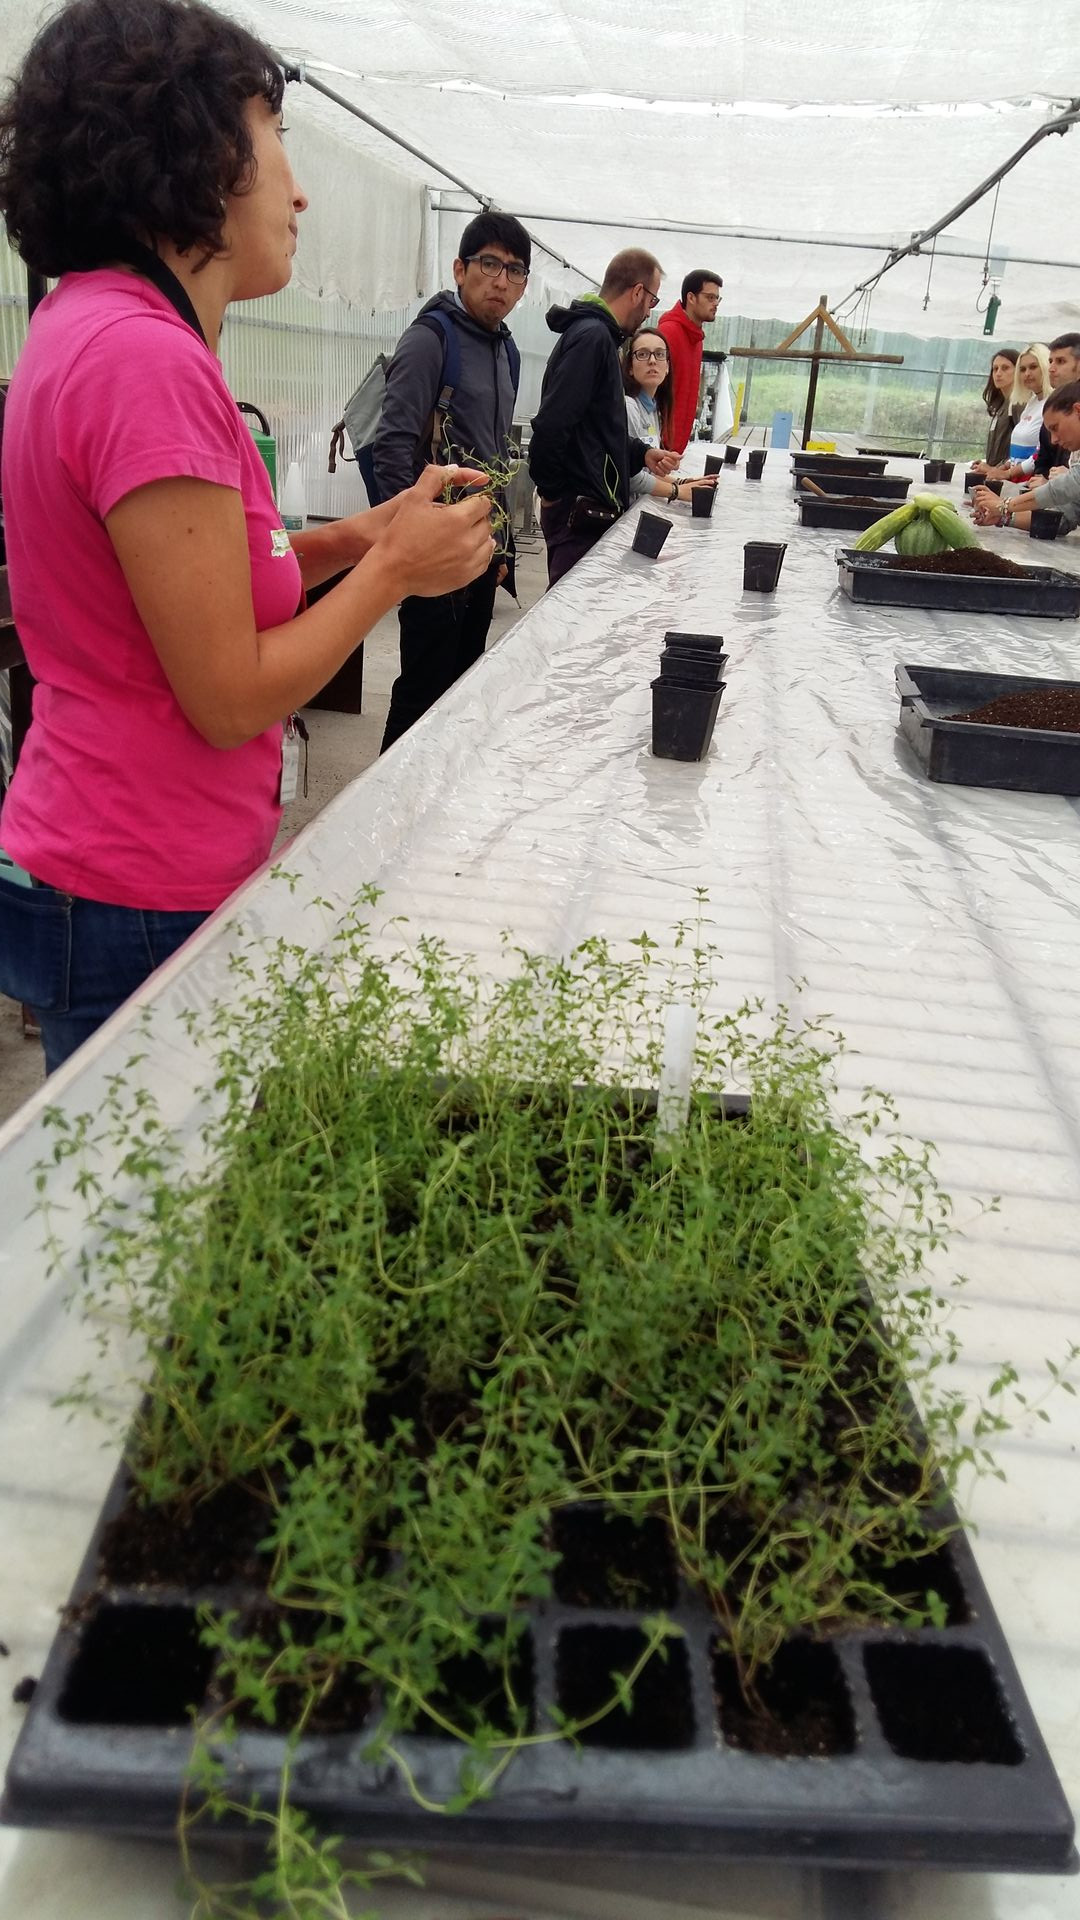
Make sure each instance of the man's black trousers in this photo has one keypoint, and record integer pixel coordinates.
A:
(440, 638)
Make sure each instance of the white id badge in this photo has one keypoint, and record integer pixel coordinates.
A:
(290, 764)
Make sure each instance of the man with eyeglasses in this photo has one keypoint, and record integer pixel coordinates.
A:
(441, 637)
(683, 327)
(582, 456)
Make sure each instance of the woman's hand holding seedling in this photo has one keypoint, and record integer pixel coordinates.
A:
(437, 548)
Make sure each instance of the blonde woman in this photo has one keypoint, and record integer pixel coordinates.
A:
(1031, 390)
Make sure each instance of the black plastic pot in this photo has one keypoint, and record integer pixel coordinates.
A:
(714, 463)
(700, 642)
(973, 480)
(873, 578)
(694, 669)
(754, 463)
(932, 472)
(1046, 523)
(995, 486)
(650, 534)
(971, 754)
(731, 455)
(762, 561)
(946, 469)
(683, 718)
(702, 502)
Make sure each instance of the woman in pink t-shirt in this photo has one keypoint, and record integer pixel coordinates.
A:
(154, 590)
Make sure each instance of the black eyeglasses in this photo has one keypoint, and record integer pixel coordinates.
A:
(491, 267)
(654, 298)
(649, 353)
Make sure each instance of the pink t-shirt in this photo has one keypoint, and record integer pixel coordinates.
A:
(116, 797)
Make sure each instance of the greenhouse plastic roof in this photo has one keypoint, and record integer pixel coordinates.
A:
(842, 128)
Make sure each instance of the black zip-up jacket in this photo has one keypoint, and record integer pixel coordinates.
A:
(1048, 454)
(482, 410)
(580, 441)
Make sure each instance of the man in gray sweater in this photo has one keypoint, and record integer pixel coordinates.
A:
(441, 637)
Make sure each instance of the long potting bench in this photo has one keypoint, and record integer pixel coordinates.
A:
(935, 926)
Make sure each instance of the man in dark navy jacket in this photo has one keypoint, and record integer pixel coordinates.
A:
(443, 636)
(581, 456)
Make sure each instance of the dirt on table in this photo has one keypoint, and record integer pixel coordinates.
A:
(968, 560)
(1057, 710)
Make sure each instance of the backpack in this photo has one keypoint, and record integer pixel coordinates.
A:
(361, 417)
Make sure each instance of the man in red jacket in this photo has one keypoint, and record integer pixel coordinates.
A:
(683, 327)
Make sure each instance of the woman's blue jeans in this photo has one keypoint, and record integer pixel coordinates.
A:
(75, 961)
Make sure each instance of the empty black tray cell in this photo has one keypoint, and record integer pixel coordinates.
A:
(661, 1717)
(608, 1561)
(941, 1703)
(874, 579)
(971, 753)
(137, 1666)
(800, 1704)
(476, 1692)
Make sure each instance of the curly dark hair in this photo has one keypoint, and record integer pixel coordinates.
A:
(126, 121)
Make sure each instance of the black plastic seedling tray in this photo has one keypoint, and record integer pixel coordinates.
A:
(969, 754)
(884, 486)
(815, 512)
(930, 1754)
(873, 579)
(815, 463)
(894, 453)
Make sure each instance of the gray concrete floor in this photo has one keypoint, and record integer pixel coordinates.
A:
(342, 745)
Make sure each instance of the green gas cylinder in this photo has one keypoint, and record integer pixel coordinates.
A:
(264, 440)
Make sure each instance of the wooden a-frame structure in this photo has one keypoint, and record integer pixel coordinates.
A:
(819, 319)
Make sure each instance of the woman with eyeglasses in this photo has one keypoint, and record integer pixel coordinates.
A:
(154, 588)
(647, 383)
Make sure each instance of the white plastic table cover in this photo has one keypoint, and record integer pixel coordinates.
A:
(937, 926)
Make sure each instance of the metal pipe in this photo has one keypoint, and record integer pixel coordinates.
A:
(1060, 124)
(778, 239)
(294, 71)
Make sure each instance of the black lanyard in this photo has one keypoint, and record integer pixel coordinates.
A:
(146, 262)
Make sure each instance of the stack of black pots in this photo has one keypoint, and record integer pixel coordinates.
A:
(686, 697)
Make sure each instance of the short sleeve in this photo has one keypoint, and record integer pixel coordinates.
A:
(145, 401)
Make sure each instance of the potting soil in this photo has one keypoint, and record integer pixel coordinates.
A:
(973, 560)
(1056, 710)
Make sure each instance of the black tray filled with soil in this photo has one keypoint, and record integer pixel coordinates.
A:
(964, 580)
(837, 510)
(992, 729)
(882, 486)
(875, 1745)
(815, 463)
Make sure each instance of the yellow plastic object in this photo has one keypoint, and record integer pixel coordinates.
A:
(820, 446)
